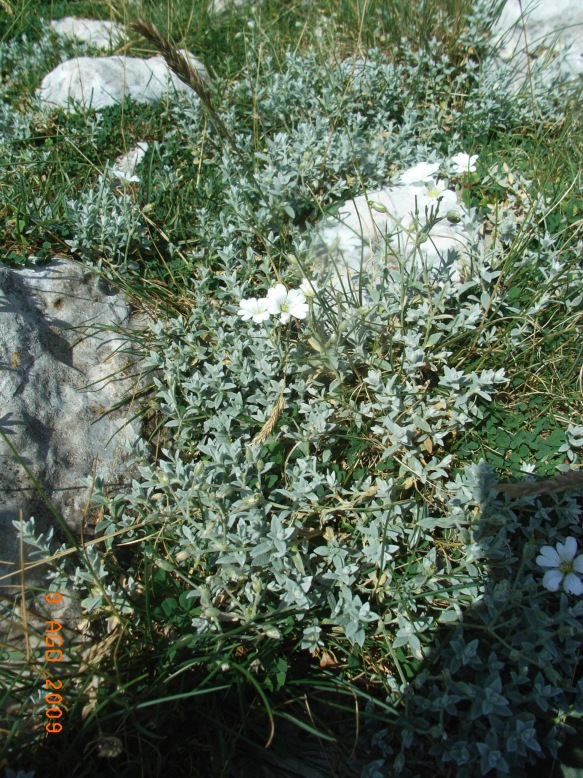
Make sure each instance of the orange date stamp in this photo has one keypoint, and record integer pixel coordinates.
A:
(53, 653)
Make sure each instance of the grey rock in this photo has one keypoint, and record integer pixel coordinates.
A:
(382, 230)
(62, 369)
(97, 82)
(534, 30)
(124, 168)
(219, 6)
(101, 34)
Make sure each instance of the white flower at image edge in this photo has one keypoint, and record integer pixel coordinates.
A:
(564, 567)
(253, 308)
(419, 173)
(285, 304)
(464, 163)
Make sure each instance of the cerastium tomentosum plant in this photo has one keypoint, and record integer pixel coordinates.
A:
(317, 508)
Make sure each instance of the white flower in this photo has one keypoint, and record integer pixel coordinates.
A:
(564, 567)
(434, 188)
(527, 467)
(419, 173)
(434, 193)
(255, 309)
(286, 304)
(309, 288)
(463, 163)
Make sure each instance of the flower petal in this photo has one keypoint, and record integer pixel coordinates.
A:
(246, 308)
(252, 308)
(420, 172)
(296, 296)
(278, 292)
(276, 299)
(552, 580)
(572, 584)
(548, 557)
(567, 550)
(578, 564)
(261, 316)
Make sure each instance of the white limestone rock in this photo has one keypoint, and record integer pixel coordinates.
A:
(61, 369)
(97, 82)
(124, 168)
(390, 228)
(547, 29)
(101, 34)
(219, 6)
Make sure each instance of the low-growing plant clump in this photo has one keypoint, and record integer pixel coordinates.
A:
(318, 568)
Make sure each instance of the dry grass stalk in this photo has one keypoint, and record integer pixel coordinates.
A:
(179, 64)
(573, 479)
(269, 425)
